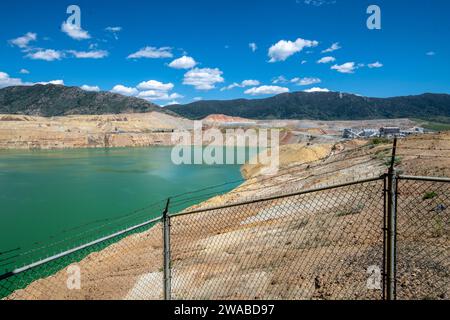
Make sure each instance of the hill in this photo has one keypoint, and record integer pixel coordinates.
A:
(56, 100)
(322, 106)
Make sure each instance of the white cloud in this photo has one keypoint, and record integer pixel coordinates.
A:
(203, 79)
(23, 42)
(7, 81)
(114, 31)
(264, 90)
(155, 85)
(317, 89)
(197, 99)
(54, 82)
(231, 86)
(326, 60)
(299, 81)
(279, 79)
(24, 71)
(375, 65)
(318, 3)
(253, 46)
(335, 46)
(156, 90)
(348, 67)
(304, 61)
(305, 81)
(126, 91)
(175, 96)
(152, 53)
(90, 88)
(170, 103)
(283, 49)
(95, 54)
(74, 31)
(149, 90)
(430, 53)
(158, 95)
(243, 84)
(248, 83)
(183, 63)
(46, 55)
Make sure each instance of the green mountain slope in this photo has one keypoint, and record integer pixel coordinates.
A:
(322, 106)
(56, 100)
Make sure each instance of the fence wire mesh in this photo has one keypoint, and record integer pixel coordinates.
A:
(423, 242)
(318, 245)
(127, 266)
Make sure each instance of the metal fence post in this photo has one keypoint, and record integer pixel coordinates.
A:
(391, 227)
(166, 262)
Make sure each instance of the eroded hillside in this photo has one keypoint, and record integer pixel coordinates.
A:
(90, 131)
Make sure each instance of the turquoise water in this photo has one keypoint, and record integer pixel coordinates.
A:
(54, 200)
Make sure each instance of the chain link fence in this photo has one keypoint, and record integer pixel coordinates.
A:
(315, 245)
(423, 243)
(126, 265)
(327, 243)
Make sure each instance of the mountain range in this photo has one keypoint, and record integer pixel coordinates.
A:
(57, 100)
(322, 106)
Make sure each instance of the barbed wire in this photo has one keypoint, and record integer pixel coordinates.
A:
(78, 236)
(9, 251)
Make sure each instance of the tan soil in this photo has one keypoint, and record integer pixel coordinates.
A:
(219, 118)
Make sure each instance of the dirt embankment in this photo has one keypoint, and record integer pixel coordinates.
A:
(312, 246)
(124, 130)
(292, 154)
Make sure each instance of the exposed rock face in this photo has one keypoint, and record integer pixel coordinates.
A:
(125, 130)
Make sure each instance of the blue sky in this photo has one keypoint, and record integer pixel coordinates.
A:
(231, 49)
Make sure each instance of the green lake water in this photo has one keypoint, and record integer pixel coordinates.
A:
(51, 201)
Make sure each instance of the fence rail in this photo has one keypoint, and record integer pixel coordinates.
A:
(378, 238)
